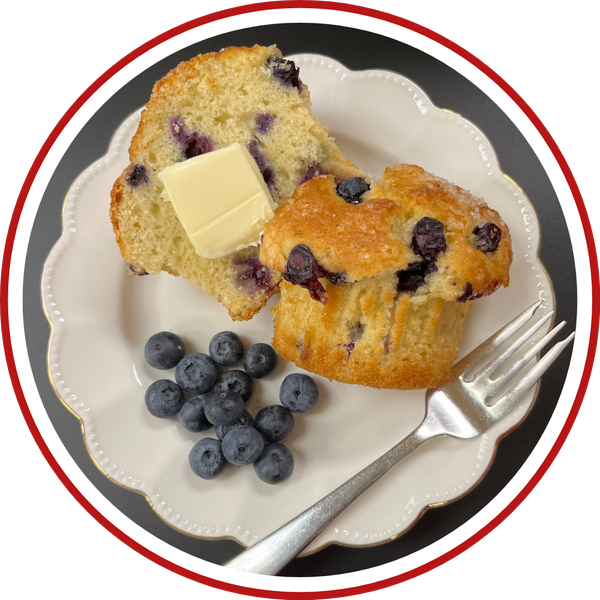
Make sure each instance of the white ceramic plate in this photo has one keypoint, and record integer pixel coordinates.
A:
(101, 318)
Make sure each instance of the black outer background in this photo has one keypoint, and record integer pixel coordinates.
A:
(544, 544)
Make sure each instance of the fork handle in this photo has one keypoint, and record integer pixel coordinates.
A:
(272, 553)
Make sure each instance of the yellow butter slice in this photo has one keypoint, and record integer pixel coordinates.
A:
(221, 200)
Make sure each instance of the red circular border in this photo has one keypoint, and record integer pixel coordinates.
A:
(359, 10)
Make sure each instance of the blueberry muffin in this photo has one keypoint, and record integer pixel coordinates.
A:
(251, 96)
(378, 278)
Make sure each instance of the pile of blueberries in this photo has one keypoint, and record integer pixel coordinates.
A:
(218, 400)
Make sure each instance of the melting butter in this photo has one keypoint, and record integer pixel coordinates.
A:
(221, 200)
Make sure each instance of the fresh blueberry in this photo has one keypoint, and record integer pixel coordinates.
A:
(275, 422)
(275, 464)
(351, 190)
(236, 381)
(284, 70)
(226, 348)
(259, 360)
(223, 408)
(192, 415)
(207, 459)
(487, 237)
(164, 350)
(245, 420)
(428, 238)
(164, 398)
(298, 392)
(197, 373)
(242, 445)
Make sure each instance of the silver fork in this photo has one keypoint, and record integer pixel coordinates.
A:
(461, 408)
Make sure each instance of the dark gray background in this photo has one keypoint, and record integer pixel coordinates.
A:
(59, 536)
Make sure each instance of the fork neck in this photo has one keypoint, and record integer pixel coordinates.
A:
(453, 413)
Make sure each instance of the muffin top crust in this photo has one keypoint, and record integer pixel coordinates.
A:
(429, 236)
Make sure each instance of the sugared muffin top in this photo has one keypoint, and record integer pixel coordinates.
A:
(427, 235)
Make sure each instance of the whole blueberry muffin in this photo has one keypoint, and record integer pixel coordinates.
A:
(250, 96)
(379, 277)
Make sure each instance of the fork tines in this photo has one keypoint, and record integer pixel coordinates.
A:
(485, 385)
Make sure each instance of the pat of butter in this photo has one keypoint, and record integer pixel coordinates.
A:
(221, 200)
